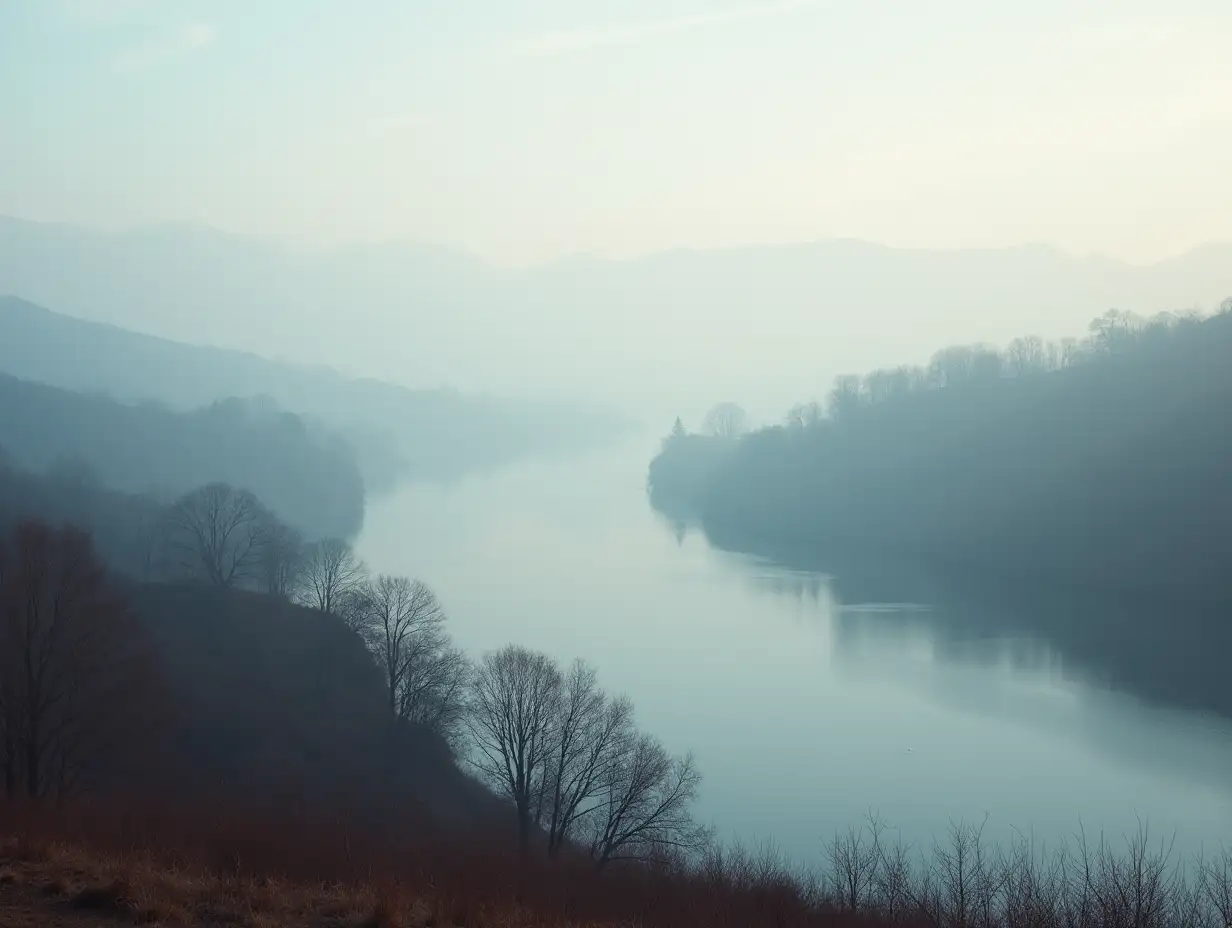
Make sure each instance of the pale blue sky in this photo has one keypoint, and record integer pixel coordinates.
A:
(526, 130)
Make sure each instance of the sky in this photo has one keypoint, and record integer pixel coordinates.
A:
(531, 130)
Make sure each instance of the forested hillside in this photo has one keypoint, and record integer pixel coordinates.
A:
(308, 479)
(1100, 463)
(396, 431)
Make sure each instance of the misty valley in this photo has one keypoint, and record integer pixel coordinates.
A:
(975, 607)
(641, 464)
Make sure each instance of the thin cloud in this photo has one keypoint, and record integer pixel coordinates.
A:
(562, 43)
(389, 125)
(98, 12)
(186, 39)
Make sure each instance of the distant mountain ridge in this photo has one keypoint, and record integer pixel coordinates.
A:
(663, 333)
(393, 428)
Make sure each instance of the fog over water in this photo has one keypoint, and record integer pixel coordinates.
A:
(804, 710)
(663, 462)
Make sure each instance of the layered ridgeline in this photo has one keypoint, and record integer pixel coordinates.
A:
(310, 479)
(1103, 463)
(395, 431)
(756, 322)
(183, 655)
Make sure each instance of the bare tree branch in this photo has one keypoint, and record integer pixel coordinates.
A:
(332, 575)
(645, 804)
(514, 699)
(218, 533)
(586, 737)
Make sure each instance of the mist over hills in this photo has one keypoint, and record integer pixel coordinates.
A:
(660, 334)
(395, 431)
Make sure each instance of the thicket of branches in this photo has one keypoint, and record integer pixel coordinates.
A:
(964, 881)
(569, 758)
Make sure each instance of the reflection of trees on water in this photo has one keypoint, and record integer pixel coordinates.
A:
(1128, 646)
(802, 587)
(980, 657)
(876, 630)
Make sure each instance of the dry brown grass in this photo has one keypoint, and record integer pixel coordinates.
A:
(54, 883)
(105, 865)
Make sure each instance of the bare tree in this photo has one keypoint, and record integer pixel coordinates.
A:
(952, 366)
(644, 807)
(404, 627)
(513, 703)
(965, 881)
(1070, 351)
(1026, 356)
(726, 420)
(805, 415)
(846, 396)
(1134, 888)
(586, 737)
(332, 574)
(1034, 886)
(1217, 874)
(218, 533)
(892, 883)
(855, 858)
(282, 560)
(354, 608)
(75, 673)
(433, 691)
(1112, 332)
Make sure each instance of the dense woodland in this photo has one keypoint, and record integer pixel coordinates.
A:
(309, 478)
(1100, 463)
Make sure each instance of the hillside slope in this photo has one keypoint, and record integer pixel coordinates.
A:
(395, 430)
(309, 480)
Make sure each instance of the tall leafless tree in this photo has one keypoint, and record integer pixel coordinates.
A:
(332, 575)
(1026, 355)
(726, 420)
(855, 858)
(644, 809)
(585, 741)
(405, 628)
(75, 673)
(514, 697)
(354, 609)
(433, 689)
(1113, 332)
(218, 533)
(281, 567)
(805, 415)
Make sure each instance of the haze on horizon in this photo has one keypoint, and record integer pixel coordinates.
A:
(527, 132)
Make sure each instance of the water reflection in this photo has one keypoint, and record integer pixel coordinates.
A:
(812, 692)
(974, 657)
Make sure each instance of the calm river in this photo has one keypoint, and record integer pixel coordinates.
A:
(804, 711)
